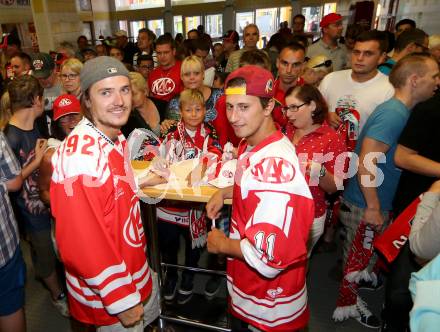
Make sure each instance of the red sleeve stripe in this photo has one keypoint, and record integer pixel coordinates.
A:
(144, 281)
(141, 272)
(115, 284)
(107, 273)
(96, 304)
(75, 283)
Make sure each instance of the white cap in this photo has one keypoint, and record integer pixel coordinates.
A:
(121, 33)
(226, 176)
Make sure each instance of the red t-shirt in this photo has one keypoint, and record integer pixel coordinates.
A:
(164, 84)
(280, 95)
(320, 142)
(222, 126)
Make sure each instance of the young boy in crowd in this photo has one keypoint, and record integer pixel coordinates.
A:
(190, 138)
(26, 96)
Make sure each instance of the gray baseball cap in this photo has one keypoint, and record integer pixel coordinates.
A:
(99, 68)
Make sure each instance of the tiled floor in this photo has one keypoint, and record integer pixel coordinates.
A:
(42, 317)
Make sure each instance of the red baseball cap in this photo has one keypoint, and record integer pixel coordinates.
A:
(231, 36)
(329, 19)
(259, 82)
(65, 104)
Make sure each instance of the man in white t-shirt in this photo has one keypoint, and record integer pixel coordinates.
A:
(353, 94)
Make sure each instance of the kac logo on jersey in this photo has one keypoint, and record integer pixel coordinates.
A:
(163, 86)
(133, 229)
(273, 170)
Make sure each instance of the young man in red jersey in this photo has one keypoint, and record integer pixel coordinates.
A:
(272, 212)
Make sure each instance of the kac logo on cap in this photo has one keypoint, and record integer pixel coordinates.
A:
(112, 70)
(38, 64)
(65, 102)
(269, 86)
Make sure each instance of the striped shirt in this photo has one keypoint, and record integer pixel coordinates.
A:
(9, 169)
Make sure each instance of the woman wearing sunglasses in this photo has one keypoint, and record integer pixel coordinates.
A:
(319, 148)
(316, 69)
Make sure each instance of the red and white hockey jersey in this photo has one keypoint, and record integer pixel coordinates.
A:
(272, 213)
(179, 145)
(98, 227)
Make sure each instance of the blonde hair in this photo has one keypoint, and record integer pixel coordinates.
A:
(137, 80)
(73, 64)
(191, 63)
(191, 95)
(434, 41)
(5, 110)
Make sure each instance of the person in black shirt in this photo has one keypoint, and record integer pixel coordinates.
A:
(128, 47)
(418, 155)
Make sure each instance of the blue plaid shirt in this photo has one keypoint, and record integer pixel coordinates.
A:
(9, 169)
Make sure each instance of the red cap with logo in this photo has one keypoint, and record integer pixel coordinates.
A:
(329, 19)
(259, 82)
(231, 36)
(64, 105)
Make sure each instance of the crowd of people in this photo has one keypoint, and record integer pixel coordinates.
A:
(331, 135)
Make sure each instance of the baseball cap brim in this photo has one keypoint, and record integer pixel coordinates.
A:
(41, 73)
(55, 118)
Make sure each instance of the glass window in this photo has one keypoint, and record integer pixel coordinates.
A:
(84, 5)
(313, 17)
(178, 24)
(266, 20)
(188, 2)
(123, 25)
(243, 19)
(191, 22)
(135, 27)
(329, 8)
(156, 26)
(286, 15)
(87, 29)
(138, 4)
(214, 25)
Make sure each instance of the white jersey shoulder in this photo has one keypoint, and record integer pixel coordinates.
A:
(274, 167)
(84, 152)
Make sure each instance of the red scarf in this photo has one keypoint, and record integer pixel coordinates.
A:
(356, 266)
(191, 146)
(395, 236)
